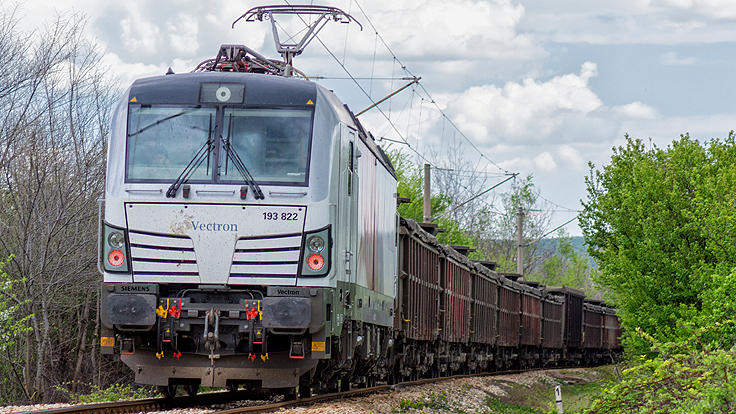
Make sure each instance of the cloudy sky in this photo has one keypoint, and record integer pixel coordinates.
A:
(538, 87)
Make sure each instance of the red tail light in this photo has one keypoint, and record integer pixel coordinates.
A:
(316, 262)
(116, 258)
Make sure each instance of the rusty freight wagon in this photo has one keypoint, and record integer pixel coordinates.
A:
(509, 322)
(417, 299)
(531, 324)
(593, 326)
(572, 322)
(483, 317)
(551, 329)
(455, 301)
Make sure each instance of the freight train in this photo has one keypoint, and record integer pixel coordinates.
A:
(251, 239)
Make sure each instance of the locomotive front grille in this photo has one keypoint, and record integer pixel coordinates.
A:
(273, 256)
(159, 255)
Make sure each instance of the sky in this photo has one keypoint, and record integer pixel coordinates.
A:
(529, 87)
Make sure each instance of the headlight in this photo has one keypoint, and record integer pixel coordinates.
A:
(115, 250)
(315, 256)
(316, 244)
(116, 239)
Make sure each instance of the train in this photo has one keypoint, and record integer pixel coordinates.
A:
(251, 239)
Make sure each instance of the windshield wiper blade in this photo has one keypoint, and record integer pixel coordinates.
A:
(243, 170)
(197, 160)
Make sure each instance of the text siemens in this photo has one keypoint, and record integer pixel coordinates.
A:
(198, 225)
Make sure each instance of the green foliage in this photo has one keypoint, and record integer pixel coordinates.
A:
(685, 377)
(657, 221)
(565, 268)
(411, 185)
(10, 324)
(115, 392)
(662, 225)
(432, 401)
(500, 407)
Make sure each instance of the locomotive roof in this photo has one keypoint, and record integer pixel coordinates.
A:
(259, 89)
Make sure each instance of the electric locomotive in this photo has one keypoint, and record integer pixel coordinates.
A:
(249, 233)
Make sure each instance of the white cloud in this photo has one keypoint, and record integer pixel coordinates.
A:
(138, 34)
(670, 58)
(631, 21)
(571, 157)
(545, 162)
(714, 9)
(451, 29)
(129, 72)
(530, 110)
(183, 31)
(637, 110)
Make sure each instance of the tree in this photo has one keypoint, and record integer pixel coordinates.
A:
(462, 206)
(498, 238)
(565, 267)
(12, 329)
(657, 221)
(411, 185)
(56, 112)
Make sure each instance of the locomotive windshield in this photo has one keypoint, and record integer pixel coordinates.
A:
(272, 143)
(162, 141)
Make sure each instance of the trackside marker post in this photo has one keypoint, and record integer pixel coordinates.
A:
(558, 398)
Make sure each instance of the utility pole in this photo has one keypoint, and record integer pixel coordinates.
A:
(520, 242)
(427, 199)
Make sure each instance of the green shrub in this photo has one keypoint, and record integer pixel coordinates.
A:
(115, 392)
(498, 406)
(687, 377)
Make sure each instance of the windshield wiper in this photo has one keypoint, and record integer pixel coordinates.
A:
(240, 166)
(196, 161)
(199, 157)
(243, 170)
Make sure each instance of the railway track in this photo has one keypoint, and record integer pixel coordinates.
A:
(218, 398)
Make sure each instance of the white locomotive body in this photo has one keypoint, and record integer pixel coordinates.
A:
(249, 237)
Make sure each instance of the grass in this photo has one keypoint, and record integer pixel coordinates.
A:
(579, 389)
(577, 393)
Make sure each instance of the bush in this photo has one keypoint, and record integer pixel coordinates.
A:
(116, 392)
(687, 377)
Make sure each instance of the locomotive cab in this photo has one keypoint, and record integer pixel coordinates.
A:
(231, 247)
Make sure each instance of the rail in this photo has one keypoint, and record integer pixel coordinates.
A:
(157, 404)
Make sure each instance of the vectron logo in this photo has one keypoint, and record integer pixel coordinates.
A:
(198, 225)
(288, 292)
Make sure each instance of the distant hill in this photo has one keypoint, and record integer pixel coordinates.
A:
(550, 244)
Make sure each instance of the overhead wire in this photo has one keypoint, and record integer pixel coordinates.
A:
(345, 69)
(552, 231)
(392, 125)
(373, 65)
(357, 3)
(557, 205)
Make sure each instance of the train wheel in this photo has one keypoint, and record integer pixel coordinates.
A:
(305, 391)
(168, 391)
(191, 390)
(290, 394)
